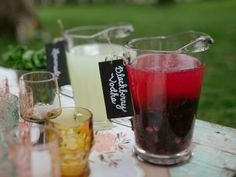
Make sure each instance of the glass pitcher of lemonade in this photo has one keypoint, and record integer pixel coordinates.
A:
(87, 46)
(165, 80)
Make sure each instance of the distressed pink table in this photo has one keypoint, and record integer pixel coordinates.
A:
(214, 151)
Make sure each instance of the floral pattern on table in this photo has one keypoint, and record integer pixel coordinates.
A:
(113, 152)
(108, 143)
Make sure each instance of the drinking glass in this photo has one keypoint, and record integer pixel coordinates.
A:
(4, 87)
(165, 81)
(9, 116)
(39, 96)
(87, 46)
(9, 112)
(35, 151)
(76, 131)
(7, 168)
(9, 109)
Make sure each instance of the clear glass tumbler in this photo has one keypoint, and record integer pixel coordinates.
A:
(35, 151)
(39, 96)
(9, 112)
(4, 87)
(7, 168)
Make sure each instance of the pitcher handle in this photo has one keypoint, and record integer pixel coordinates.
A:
(200, 44)
(115, 31)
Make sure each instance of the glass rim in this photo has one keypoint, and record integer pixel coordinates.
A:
(79, 107)
(3, 152)
(11, 140)
(10, 96)
(71, 31)
(53, 77)
(101, 30)
(88, 117)
(3, 76)
(202, 36)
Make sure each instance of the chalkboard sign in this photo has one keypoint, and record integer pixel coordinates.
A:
(56, 61)
(115, 89)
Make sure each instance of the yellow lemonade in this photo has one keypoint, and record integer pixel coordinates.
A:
(82, 61)
(76, 133)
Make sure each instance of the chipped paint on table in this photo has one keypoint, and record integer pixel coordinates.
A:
(214, 152)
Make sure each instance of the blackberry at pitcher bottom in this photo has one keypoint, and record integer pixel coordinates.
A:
(165, 90)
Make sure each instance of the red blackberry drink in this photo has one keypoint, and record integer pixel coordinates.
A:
(165, 89)
(165, 98)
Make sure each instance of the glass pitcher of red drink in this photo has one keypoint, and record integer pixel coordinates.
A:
(165, 76)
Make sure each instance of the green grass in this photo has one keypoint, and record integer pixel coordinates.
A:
(217, 18)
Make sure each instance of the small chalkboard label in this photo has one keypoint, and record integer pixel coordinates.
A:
(56, 61)
(115, 86)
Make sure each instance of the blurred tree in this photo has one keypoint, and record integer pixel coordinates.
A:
(18, 19)
(165, 1)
